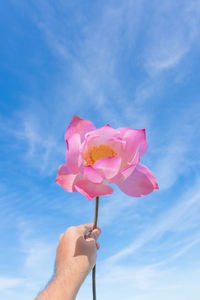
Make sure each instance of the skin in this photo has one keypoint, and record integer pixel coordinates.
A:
(75, 257)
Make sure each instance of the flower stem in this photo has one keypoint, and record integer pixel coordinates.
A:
(94, 268)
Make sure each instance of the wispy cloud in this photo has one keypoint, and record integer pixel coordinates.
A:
(166, 222)
(7, 283)
(118, 64)
(96, 58)
(113, 208)
(172, 34)
(89, 77)
(176, 151)
(43, 150)
(39, 255)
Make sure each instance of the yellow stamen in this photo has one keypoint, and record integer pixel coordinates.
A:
(98, 152)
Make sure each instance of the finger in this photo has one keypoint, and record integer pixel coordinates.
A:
(61, 236)
(95, 234)
(97, 245)
(85, 228)
(99, 228)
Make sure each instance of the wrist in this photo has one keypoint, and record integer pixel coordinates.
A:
(61, 287)
(72, 274)
(65, 283)
(69, 281)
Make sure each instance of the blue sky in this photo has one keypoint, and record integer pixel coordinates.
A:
(126, 63)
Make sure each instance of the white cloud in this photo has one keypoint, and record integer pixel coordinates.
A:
(141, 278)
(184, 249)
(89, 82)
(145, 282)
(115, 207)
(93, 80)
(170, 165)
(166, 222)
(7, 283)
(177, 146)
(43, 149)
(94, 58)
(39, 256)
(173, 32)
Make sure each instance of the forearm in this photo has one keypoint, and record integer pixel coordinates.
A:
(59, 289)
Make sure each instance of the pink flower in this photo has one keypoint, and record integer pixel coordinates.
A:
(105, 154)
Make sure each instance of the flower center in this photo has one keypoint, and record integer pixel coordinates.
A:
(98, 152)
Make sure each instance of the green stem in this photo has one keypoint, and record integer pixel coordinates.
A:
(94, 268)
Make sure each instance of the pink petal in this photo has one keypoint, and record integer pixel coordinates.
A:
(135, 159)
(73, 152)
(108, 166)
(126, 171)
(117, 144)
(104, 133)
(80, 126)
(65, 178)
(135, 141)
(91, 190)
(122, 175)
(91, 174)
(141, 182)
(89, 142)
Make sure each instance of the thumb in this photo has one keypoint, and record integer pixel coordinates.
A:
(94, 234)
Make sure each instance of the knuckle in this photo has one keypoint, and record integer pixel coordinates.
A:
(70, 229)
(61, 236)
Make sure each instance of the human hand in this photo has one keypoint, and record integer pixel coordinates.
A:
(76, 253)
(76, 256)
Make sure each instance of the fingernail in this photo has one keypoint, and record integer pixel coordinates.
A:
(96, 232)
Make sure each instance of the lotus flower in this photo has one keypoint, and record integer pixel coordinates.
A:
(95, 157)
